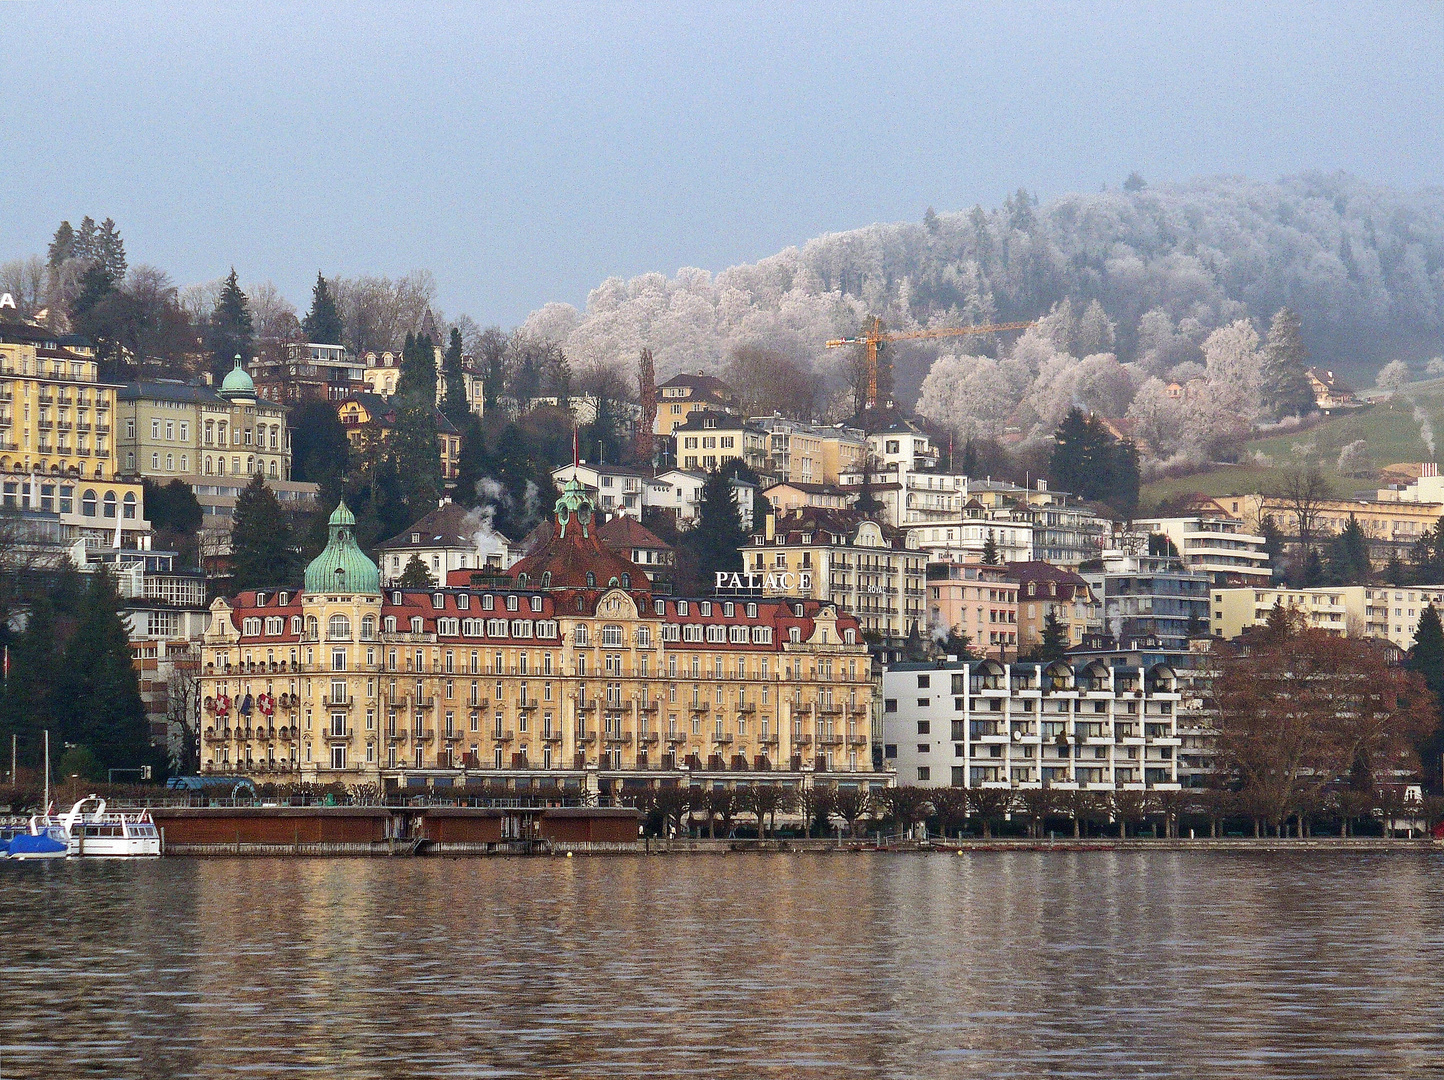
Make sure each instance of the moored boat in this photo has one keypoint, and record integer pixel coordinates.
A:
(99, 833)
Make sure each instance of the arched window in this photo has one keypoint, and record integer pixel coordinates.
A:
(368, 628)
(128, 508)
(416, 625)
(339, 628)
(546, 579)
(626, 581)
(221, 466)
(210, 465)
(390, 624)
(591, 580)
(521, 581)
(110, 504)
(250, 465)
(311, 626)
(274, 474)
(87, 502)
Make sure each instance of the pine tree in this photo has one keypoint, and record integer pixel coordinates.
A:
(715, 541)
(62, 247)
(97, 693)
(1427, 658)
(990, 551)
(1348, 562)
(94, 314)
(1053, 644)
(320, 451)
(85, 244)
(455, 406)
(262, 547)
(1088, 461)
(110, 251)
(417, 384)
(415, 576)
(231, 332)
(1279, 624)
(1285, 367)
(322, 324)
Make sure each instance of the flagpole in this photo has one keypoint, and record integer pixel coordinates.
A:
(47, 770)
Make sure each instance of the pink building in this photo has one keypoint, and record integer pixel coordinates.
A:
(974, 599)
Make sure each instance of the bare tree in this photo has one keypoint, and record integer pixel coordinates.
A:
(989, 804)
(24, 280)
(183, 708)
(767, 381)
(852, 805)
(951, 807)
(1037, 804)
(1299, 711)
(1303, 492)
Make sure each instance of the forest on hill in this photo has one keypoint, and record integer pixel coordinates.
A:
(1361, 265)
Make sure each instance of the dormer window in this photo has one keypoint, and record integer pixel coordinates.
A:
(1032, 588)
(729, 608)
(396, 597)
(682, 607)
(463, 601)
(416, 538)
(659, 606)
(752, 611)
(488, 602)
(511, 602)
(536, 603)
(283, 599)
(626, 581)
(438, 600)
(705, 608)
(591, 580)
(260, 599)
(416, 624)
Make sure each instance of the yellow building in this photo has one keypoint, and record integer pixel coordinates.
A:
(679, 398)
(55, 413)
(842, 558)
(1391, 527)
(1387, 612)
(369, 416)
(570, 670)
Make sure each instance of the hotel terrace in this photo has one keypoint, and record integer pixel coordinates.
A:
(565, 674)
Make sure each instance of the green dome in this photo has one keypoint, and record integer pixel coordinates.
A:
(342, 567)
(237, 383)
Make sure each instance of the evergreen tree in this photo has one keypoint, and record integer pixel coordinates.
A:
(1087, 460)
(1348, 561)
(95, 314)
(1274, 545)
(417, 384)
(62, 247)
(262, 547)
(1396, 573)
(1285, 367)
(714, 543)
(322, 324)
(110, 251)
(557, 377)
(455, 406)
(1427, 658)
(1313, 569)
(97, 693)
(415, 576)
(231, 332)
(35, 658)
(320, 451)
(1053, 644)
(1279, 624)
(990, 551)
(84, 245)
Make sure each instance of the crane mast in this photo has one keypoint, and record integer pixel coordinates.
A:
(873, 336)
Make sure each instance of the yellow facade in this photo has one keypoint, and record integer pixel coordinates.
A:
(55, 413)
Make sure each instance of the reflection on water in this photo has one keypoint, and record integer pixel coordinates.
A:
(1099, 964)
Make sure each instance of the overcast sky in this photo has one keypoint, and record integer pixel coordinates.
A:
(525, 153)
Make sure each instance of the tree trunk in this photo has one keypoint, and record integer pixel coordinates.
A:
(1076, 828)
(1257, 828)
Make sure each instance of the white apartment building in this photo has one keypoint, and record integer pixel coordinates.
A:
(1218, 546)
(965, 539)
(986, 724)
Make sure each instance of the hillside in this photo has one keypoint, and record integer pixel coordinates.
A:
(1393, 431)
(1362, 265)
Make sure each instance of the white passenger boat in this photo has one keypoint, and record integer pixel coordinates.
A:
(97, 833)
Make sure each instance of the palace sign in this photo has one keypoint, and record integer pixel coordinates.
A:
(756, 581)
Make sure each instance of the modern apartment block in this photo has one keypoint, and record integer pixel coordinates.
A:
(1089, 726)
(1150, 596)
(1216, 546)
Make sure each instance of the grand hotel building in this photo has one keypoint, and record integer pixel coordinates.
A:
(567, 672)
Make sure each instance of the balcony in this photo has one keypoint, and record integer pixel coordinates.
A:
(344, 735)
(722, 740)
(337, 703)
(45, 425)
(396, 702)
(399, 735)
(700, 707)
(621, 738)
(802, 740)
(857, 740)
(424, 735)
(503, 736)
(426, 703)
(648, 738)
(829, 740)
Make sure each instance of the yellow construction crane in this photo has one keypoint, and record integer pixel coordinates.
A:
(873, 336)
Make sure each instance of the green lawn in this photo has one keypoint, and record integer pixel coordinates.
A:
(1390, 429)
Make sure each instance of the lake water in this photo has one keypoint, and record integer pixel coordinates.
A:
(1087, 964)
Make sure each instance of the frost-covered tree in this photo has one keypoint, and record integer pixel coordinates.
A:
(971, 396)
(1393, 375)
(1285, 380)
(1233, 367)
